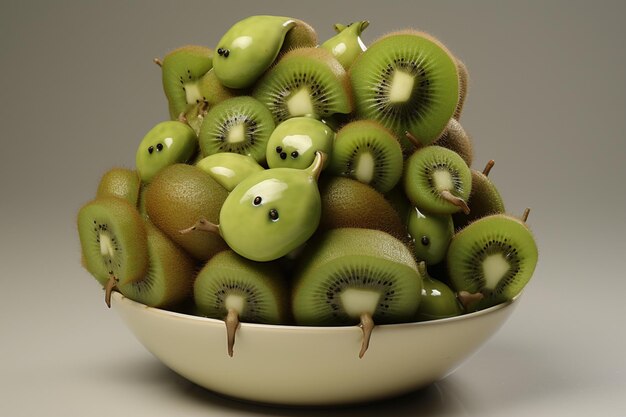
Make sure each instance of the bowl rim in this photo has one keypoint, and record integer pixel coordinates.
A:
(119, 297)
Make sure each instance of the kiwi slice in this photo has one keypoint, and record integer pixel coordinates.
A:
(437, 300)
(408, 81)
(353, 275)
(350, 203)
(113, 242)
(239, 124)
(437, 180)
(234, 289)
(170, 273)
(179, 195)
(182, 69)
(122, 183)
(494, 256)
(367, 152)
(456, 139)
(305, 81)
(483, 200)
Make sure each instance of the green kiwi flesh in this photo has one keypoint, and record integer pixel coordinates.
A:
(113, 240)
(232, 288)
(349, 203)
(408, 81)
(366, 151)
(437, 180)
(375, 267)
(305, 81)
(121, 183)
(182, 69)
(240, 124)
(495, 256)
(170, 274)
(178, 196)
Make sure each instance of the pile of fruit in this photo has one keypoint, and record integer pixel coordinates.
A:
(311, 184)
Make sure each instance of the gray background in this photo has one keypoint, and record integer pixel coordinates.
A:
(547, 100)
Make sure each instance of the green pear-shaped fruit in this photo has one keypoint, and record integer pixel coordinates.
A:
(431, 235)
(437, 300)
(293, 143)
(347, 45)
(248, 48)
(229, 168)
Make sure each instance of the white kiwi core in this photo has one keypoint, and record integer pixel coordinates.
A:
(442, 179)
(401, 87)
(300, 103)
(357, 301)
(236, 133)
(106, 245)
(364, 171)
(192, 93)
(235, 302)
(495, 267)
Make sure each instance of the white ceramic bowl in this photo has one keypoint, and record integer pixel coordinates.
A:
(294, 365)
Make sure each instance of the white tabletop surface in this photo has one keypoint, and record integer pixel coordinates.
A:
(546, 101)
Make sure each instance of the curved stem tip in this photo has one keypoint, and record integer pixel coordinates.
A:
(488, 167)
(318, 164)
(525, 215)
(232, 322)
(203, 225)
(468, 299)
(414, 141)
(108, 289)
(367, 325)
(457, 201)
(158, 62)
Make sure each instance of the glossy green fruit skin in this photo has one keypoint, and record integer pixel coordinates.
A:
(248, 48)
(347, 45)
(249, 229)
(431, 235)
(165, 144)
(293, 143)
(437, 301)
(229, 168)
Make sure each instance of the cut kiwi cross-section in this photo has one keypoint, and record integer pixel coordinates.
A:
(305, 81)
(351, 276)
(235, 289)
(408, 81)
(366, 151)
(239, 124)
(182, 69)
(495, 256)
(437, 180)
(113, 242)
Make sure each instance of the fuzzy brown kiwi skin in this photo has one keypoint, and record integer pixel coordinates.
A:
(458, 140)
(302, 35)
(463, 87)
(178, 196)
(349, 203)
(121, 183)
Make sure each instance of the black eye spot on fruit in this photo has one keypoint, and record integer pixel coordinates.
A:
(257, 200)
(226, 53)
(220, 51)
(273, 215)
(425, 240)
(294, 154)
(159, 147)
(151, 149)
(283, 155)
(279, 149)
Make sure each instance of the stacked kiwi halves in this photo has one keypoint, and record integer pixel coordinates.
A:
(311, 184)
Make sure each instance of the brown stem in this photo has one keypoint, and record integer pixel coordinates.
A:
(318, 164)
(203, 225)
(414, 141)
(182, 118)
(367, 325)
(232, 322)
(525, 215)
(108, 289)
(457, 201)
(158, 62)
(488, 167)
(467, 298)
